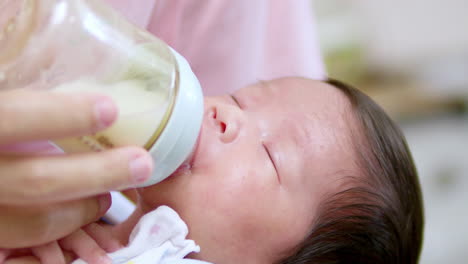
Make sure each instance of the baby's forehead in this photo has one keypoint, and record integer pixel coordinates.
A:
(320, 114)
(302, 97)
(296, 90)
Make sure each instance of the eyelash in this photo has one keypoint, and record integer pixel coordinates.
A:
(236, 101)
(264, 146)
(272, 161)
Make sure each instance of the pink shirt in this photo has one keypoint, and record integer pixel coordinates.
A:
(232, 43)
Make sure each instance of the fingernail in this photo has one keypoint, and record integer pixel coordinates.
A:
(141, 168)
(105, 111)
(105, 202)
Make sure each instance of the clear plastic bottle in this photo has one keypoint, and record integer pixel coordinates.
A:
(83, 45)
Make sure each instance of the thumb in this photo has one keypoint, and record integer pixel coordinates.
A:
(24, 227)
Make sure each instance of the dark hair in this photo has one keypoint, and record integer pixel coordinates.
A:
(379, 219)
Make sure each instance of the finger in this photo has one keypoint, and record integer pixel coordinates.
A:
(32, 115)
(103, 237)
(31, 148)
(85, 247)
(46, 179)
(131, 194)
(24, 227)
(49, 253)
(4, 253)
(22, 252)
(23, 260)
(69, 257)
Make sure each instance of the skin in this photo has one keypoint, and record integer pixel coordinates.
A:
(260, 170)
(39, 204)
(263, 163)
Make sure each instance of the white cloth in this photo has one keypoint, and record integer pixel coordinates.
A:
(121, 209)
(158, 238)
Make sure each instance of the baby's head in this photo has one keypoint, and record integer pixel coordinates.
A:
(298, 171)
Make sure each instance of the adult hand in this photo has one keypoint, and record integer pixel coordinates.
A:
(90, 243)
(44, 198)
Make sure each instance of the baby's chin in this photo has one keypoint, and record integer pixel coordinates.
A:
(171, 190)
(165, 192)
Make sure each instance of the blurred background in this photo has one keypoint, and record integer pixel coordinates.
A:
(412, 57)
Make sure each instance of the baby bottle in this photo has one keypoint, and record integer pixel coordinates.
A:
(84, 46)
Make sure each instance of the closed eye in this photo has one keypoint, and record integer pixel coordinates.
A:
(272, 162)
(236, 101)
(264, 146)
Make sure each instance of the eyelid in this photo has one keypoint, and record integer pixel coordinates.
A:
(272, 162)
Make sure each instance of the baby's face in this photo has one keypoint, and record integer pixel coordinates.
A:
(266, 158)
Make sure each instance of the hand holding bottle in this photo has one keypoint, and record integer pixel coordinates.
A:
(43, 198)
(45, 87)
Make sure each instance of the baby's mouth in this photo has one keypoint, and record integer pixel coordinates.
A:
(192, 157)
(188, 164)
(191, 162)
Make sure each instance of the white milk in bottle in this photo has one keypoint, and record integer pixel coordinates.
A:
(84, 46)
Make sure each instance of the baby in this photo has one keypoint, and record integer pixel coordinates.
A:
(289, 171)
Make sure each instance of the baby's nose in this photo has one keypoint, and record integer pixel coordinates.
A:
(228, 119)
